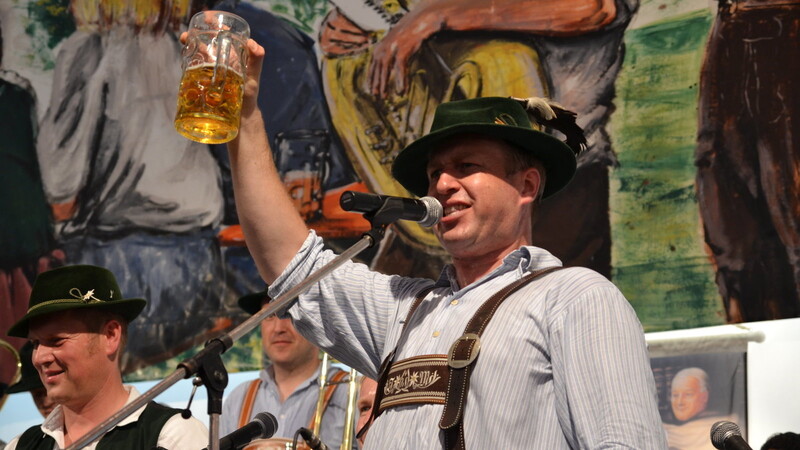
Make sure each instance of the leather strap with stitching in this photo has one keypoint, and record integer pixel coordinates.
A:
(460, 361)
(248, 402)
(250, 398)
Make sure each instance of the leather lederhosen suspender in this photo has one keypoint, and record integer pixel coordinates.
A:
(248, 402)
(442, 379)
(252, 389)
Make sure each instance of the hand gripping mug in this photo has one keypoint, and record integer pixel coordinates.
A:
(214, 63)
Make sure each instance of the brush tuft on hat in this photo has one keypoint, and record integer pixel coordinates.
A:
(550, 114)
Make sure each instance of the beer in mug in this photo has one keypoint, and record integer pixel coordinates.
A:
(212, 85)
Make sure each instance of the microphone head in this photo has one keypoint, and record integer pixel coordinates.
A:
(434, 212)
(722, 431)
(269, 425)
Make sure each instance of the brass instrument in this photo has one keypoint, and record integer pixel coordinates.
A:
(352, 395)
(352, 409)
(348, 432)
(17, 375)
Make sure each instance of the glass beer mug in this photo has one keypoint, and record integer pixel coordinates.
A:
(212, 85)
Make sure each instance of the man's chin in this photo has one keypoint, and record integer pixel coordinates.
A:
(56, 396)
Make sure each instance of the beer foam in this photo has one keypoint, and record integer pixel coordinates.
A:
(211, 66)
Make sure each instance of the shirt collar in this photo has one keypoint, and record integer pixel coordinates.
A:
(267, 376)
(522, 260)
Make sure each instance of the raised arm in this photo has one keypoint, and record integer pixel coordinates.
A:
(273, 228)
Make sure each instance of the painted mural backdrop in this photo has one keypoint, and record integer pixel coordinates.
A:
(687, 197)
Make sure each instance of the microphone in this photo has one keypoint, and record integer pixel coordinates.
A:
(263, 426)
(311, 439)
(727, 436)
(427, 210)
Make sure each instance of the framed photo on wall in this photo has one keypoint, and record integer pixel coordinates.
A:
(696, 391)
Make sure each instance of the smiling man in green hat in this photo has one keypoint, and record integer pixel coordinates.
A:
(504, 350)
(77, 323)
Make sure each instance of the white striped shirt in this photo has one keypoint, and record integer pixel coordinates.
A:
(563, 363)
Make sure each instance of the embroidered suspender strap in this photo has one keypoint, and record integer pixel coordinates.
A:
(248, 402)
(462, 357)
(383, 372)
(421, 379)
(333, 383)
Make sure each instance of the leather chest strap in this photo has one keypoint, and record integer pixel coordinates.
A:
(441, 379)
(421, 379)
(383, 372)
(461, 360)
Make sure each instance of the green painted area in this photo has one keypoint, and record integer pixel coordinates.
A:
(658, 252)
(245, 355)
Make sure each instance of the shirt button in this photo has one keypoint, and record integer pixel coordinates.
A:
(454, 302)
(436, 334)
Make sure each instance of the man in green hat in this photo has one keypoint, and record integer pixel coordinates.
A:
(503, 350)
(77, 323)
(30, 382)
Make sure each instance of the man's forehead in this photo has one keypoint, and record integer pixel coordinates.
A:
(468, 144)
(55, 323)
(686, 383)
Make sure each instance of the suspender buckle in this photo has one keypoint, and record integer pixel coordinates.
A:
(464, 351)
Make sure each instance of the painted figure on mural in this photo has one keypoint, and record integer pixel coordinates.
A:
(689, 399)
(386, 72)
(128, 192)
(123, 182)
(26, 224)
(748, 157)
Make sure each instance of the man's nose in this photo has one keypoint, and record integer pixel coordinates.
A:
(446, 183)
(283, 325)
(41, 355)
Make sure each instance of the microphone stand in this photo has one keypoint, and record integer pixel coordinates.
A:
(208, 364)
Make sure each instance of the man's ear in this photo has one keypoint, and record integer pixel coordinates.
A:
(112, 332)
(531, 184)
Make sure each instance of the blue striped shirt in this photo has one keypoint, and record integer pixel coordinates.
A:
(294, 412)
(563, 363)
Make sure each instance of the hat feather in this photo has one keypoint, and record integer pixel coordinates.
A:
(550, 114)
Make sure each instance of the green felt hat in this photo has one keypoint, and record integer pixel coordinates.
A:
(76, 287)
(497, 117)
(251, 303)
(29, 379)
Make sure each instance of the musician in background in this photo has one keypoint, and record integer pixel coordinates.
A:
(366, 397)
(30, 382)
(77, 321)
(288, 386)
